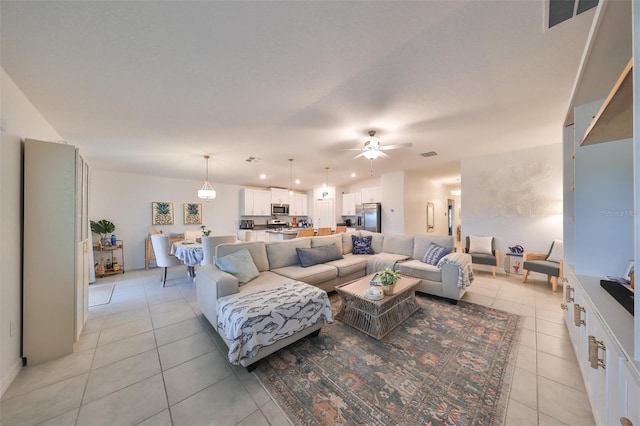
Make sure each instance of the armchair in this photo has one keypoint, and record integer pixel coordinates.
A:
(483, 251)
(551, 264)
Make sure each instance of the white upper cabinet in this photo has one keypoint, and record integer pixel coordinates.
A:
(255, 202)
(280, 196)
(298, 205)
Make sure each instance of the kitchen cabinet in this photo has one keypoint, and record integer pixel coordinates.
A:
(280, 196)
(349, 203)
(371, 195)
(255, 202)
(298, 205)
(55, 240)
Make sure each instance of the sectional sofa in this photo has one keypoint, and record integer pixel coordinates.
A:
(278, 264)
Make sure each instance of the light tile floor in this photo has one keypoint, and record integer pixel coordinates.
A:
(149, 357)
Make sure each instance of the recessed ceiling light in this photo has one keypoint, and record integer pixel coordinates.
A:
(263, 176)
(353, 174)
(297, 181)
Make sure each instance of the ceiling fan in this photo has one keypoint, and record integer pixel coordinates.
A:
(373, 149)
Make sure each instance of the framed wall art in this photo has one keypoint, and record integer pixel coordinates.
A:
(192, 214)
(162, 213)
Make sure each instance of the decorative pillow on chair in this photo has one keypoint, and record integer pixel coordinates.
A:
(557, 251)
(239, 264)
(434, 254)
(315, 255)
(361, 245)
(480, 245)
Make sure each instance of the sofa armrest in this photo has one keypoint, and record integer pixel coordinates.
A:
(533, 256)
(212, 284)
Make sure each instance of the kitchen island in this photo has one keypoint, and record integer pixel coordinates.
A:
(282, 234)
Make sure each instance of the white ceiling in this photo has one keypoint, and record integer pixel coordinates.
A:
(150, 87)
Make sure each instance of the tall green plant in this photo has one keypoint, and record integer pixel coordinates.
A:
(102, 227)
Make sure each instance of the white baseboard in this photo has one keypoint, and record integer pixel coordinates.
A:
(10, 377)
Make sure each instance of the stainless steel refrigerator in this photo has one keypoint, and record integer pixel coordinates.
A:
(371, 217)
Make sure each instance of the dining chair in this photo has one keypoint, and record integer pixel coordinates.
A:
(244, 235)
(209, 245)
(341, 229)
(324, 231)
(160, 243)
(306, 232)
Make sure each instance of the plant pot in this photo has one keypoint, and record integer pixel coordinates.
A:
(388, 289)
(106, 242)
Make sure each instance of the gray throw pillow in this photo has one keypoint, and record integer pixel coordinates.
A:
(315, 255)
(239, 264)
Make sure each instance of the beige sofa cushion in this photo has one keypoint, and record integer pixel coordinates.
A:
(398, 244)
(326, 240)
(256, 249)
(311, 275)
(283, 253)
(347, 241)
(418, 269)
(350, 264)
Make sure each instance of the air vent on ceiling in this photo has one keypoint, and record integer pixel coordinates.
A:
(252, 160)
(429, 154)
(561, 10)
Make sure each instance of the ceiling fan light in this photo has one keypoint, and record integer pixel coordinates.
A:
(371, 154)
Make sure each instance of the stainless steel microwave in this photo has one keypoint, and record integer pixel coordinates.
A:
(280, 209)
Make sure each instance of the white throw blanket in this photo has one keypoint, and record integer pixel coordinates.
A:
(254, 320)
(463, 262)
(378, 262)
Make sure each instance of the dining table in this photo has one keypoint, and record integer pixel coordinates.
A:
(189, 252)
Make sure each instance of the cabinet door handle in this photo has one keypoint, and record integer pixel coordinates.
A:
(568, 294)
(564, 307)
(577, 320)
(594, 347)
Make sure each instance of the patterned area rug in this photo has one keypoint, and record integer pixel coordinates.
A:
(446, 364)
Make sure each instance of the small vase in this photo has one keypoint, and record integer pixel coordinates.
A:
(106, 242)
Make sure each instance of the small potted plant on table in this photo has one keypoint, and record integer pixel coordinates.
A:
(388, 278)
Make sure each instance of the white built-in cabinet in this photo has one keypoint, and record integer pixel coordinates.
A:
(610, 377)
(599, 216)
(255, 202)
(55, 248)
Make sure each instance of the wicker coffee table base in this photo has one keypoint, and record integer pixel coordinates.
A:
(377, 318)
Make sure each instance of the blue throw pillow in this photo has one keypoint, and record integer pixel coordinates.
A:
(240, 264)
(315, 255)
(361, 245)
(434, 254)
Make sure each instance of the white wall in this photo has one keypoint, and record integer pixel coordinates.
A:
(125, 199)
(515, 197)
(392, 189)
(19, 120)
(420, 190)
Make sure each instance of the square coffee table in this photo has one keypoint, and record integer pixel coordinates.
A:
(377, 317)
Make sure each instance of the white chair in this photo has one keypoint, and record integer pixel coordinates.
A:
(160, 245)
(209, 245)
(244, 235)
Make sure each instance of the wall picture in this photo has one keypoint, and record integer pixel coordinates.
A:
(192, 214)
(162, 213)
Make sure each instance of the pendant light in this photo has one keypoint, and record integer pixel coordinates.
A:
(290, 176)
(325, 193)
(207, 192)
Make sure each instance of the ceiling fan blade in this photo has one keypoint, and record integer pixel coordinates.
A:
(397, 146)
(384, 155)
(350, 149)
(359, 155)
